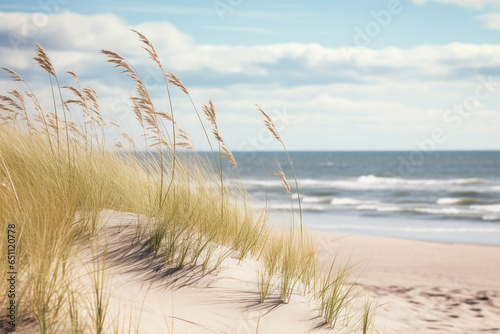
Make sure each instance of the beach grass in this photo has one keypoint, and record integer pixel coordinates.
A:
(58, 172)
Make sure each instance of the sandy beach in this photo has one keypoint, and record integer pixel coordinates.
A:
(420, 287)
(424, 287)
(250, 167)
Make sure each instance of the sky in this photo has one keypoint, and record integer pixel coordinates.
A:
(416, 75)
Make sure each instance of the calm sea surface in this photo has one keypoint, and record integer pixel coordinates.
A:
(442, 196)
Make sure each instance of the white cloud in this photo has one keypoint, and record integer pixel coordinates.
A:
(71, 31)
(477, 4)
(492, 20)
(399, 91)
(73, 38)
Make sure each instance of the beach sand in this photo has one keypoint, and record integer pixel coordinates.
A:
(424, 287)
(421, 287)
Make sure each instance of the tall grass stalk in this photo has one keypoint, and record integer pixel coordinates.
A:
(368, 318)
(274, 131)
(100, 300)
(44, 62)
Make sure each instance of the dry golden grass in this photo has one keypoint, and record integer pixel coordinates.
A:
(54, 195)
(274, 131)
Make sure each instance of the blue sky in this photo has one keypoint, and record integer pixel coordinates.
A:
(329, 23)
(333, 76)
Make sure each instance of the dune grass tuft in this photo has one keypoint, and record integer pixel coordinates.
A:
(58, 174)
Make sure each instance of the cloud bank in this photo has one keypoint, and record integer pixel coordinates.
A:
(375, 99)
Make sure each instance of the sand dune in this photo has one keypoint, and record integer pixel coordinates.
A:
(421, 287)
(164, 300)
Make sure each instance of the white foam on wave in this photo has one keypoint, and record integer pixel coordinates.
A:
(448, 200)
(429, 210)
(445, 211)
(366, 207)
(414, 229)
(491, 217)
(488, 208)
(469, 181)
(372, 179)
(262, 183)
(380, 208)
(391, 209)
(305, 207)
(313, 182)
(374, 182)
(314, 199)
(345, 201)
(457, 200)
(340, 201)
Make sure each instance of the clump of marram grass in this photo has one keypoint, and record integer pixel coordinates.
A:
(55, 194)
(173, 224)
(274, 131)
(367, 321)
(290, 261)
(335, 295)
(52, 215)
(52, 224)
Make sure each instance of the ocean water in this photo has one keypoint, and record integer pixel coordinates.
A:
(440, 196)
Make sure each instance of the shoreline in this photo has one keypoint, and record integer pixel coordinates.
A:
(451, 231)
(424, 286)
(354, 234)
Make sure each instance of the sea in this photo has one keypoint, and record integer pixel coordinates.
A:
(447, 196)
